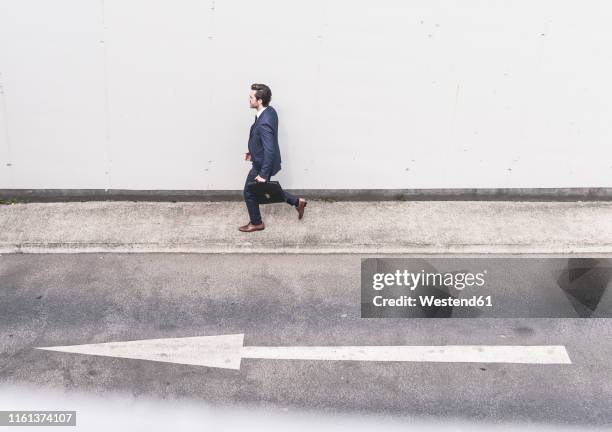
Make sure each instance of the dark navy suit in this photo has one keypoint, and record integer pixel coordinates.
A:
(266, 158)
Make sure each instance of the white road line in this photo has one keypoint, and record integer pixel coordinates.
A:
(542, 354)
(227, 351)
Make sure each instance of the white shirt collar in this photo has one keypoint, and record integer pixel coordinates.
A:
(260, 111)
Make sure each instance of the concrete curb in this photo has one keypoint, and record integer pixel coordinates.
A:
(473, 250)
(458, 194)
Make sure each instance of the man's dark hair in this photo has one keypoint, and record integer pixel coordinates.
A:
(262, 92)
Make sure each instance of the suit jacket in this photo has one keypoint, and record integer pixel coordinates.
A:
(263, 144)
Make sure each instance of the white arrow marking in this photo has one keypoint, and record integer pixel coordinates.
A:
(226, 351)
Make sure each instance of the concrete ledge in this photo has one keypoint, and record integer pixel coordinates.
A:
(508, 194)
(435, 227)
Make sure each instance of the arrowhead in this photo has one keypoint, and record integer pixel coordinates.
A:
(224, 351)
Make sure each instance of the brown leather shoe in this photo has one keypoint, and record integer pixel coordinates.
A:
(300, 207)
(250, 227)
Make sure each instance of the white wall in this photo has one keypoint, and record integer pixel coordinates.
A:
(152, 94)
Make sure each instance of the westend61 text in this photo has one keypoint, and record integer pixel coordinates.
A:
(407, 301)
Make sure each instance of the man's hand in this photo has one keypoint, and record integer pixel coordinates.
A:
(247, 156)
(259, 179)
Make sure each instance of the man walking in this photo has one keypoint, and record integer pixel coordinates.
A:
(264, 153)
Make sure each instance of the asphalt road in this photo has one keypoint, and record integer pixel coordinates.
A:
(282, 300)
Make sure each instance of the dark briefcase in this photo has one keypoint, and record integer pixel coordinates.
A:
(268, 192)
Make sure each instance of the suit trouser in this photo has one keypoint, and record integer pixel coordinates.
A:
(251, 201)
